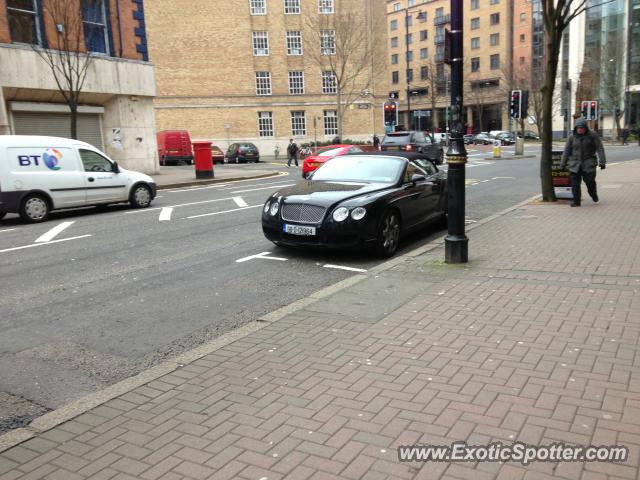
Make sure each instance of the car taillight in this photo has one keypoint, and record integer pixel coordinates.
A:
(238, 152)
(408, 148)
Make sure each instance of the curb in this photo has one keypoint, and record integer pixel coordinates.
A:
(74, 409)
(510, 157)
(195, 183)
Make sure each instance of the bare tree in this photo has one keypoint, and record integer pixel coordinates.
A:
(557, 15)
(343, 50)
(481, 91)
(67, 58)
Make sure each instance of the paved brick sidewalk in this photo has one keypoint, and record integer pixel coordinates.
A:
(535, 340)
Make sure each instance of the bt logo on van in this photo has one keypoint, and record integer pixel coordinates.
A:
(51, 158)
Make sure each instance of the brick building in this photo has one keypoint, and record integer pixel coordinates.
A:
(416, 32)
(116, 103)
(251, 70)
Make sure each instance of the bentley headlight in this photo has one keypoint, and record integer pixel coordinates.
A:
(274, 208)
(266, 206)
(340, 214)
(358, 213)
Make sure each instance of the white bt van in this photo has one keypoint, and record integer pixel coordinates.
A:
(40, 174)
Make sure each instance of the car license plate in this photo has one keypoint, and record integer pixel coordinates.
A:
(393, 148)
(299, 229)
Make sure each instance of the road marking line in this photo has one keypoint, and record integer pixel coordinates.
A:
(7, 230)
(44, 243)
(240, 202)
(165, 214)
(506, 178)
(225, 211)
(175, 206)
(189, 189)
(263, 188)
(485, 181)
(349, 269)
(261, 184)
(263, 255)
(54, 232)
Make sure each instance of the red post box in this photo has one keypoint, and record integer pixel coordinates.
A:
(202, 155)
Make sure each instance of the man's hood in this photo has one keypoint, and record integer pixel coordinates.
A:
(581, 122)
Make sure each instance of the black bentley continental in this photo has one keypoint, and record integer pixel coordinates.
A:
(366, 200)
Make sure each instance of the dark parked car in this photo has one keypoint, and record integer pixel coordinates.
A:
(483, 139)
(468, 139)
(358, 200)
(413, 142)
(507, 138)
(529, 135)
(242, 153)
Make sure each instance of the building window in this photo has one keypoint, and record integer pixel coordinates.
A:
(475, 4)
(521, 60)
(325, 6)
(263, 83)
(495, 62)
(260, 44)
(23, 21)
(494, 2)
(475, 23)
(393, 25)
(523, 17)
(395, 77)
(409, 38)
(408, 20)
(422, 17)
(258, 7)
(291, 6)
(494, 39)
(494, 19)
(265, 124)
(298, 124)
(475, 43)
(475, 64)
(329, 83)
(409, 75)
(522, 37)
(294, 42)
(424, 53)
(396, 7)
(328, 42)
(409, 55)
(296, 83)
(424, 34)
(330, 122)
(424, 73)
(394, 42)
(394, 59)
(95, 27)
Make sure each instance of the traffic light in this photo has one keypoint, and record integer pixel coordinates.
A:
(515, 104)
(390, 113)
(585, 110)
(593, 110)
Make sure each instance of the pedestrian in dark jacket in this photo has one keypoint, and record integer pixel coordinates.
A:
(580, 158)
(336, 140)
(292, 152)
(625, 135)
(376, 142)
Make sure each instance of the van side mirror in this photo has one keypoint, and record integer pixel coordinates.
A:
(116, 168)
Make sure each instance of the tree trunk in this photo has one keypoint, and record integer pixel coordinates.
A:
(339, 112)
(553, 53)
(73, 107)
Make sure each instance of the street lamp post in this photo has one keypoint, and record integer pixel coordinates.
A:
(456, 242)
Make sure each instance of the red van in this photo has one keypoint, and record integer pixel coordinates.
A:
(174, 146)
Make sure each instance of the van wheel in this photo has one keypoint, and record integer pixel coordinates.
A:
(34, 209)
(140, 196)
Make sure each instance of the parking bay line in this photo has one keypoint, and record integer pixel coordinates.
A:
(7, 230)
(348, 269)
(263, 188)
(240, 202)
(225, 211)
(179, 205)
(263, 255)
(43, 243)
(165, 214)
(54, 232)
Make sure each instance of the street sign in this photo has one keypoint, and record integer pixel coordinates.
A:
(420, 113)
(363, 106)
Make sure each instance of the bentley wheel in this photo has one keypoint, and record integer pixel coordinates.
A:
(388, 234)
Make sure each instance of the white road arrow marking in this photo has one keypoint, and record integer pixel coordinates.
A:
(349, 269)
(240, 202)
(165, 214)
(43, 243)
(54, 232)
(263, 256)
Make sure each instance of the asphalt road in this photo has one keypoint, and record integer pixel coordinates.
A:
(112, 292)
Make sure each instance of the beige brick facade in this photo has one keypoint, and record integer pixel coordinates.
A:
(206, 70)
(487, 33)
